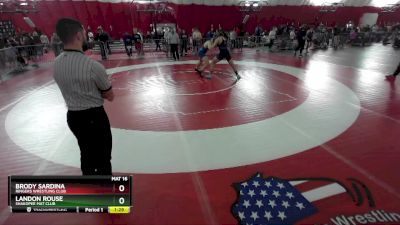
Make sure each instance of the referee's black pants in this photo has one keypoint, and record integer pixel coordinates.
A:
(92, 129)
(184, 47)
(271, 43)
(301, 46)
(174, 51)
(103, 50)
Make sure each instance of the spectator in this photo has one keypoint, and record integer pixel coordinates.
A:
(173, 40)
(272, 37)
(138, 39)
(353, 36)
(157, 37)
(90, 38)
(336, 37)
(56, 44)
(36, 38)
(220, 28)
(301, 39)
(36, 49)
(258, 32)
(45, 42)
(292, 34)
(127, 38)
(166, 38)
(196, 36)
(232, 37)
(309, 38)
(240, 32)
(184, 42)
(292, 37)
(210, 34)
(148, 35)
(2, 42)
(104, 40)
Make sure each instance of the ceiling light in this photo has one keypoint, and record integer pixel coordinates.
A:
(383, 3)
(255, 5)
(146, 1)
(24, 3)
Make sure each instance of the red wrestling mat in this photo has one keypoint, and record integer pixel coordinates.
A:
(362, 160)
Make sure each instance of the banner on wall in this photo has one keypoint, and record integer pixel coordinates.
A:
(369, 19)
(29, 22)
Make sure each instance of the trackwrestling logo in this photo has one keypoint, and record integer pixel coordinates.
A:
(273, 200)
(374, 216)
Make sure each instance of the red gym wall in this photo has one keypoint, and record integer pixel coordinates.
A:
(123, 16)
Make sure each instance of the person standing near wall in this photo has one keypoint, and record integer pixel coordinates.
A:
(272, 37)
(56, 44)
(138, 39)
(336, 37)
(184, 42)
(90, 38)
(309, 38)
(45, 42)
(84, 85)
(240, 33)
(127, 38)
(166, 39)
(232, 38)
(196, 36)
(103, 39)
(292, 36)
(258, 32)
(157, 38)
(173, 40)
(301, 39)
(210, 33)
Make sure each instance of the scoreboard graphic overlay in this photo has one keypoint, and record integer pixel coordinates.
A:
(70, 194)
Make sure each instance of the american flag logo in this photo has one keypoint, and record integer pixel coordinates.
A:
(277, 201)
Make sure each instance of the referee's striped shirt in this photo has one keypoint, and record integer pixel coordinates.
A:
(81, 80)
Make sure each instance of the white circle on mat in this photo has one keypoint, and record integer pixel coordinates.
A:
(38, 125)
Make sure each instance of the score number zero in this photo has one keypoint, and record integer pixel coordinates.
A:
(121, 188)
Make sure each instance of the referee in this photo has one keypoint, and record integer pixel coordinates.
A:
(84, 85)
